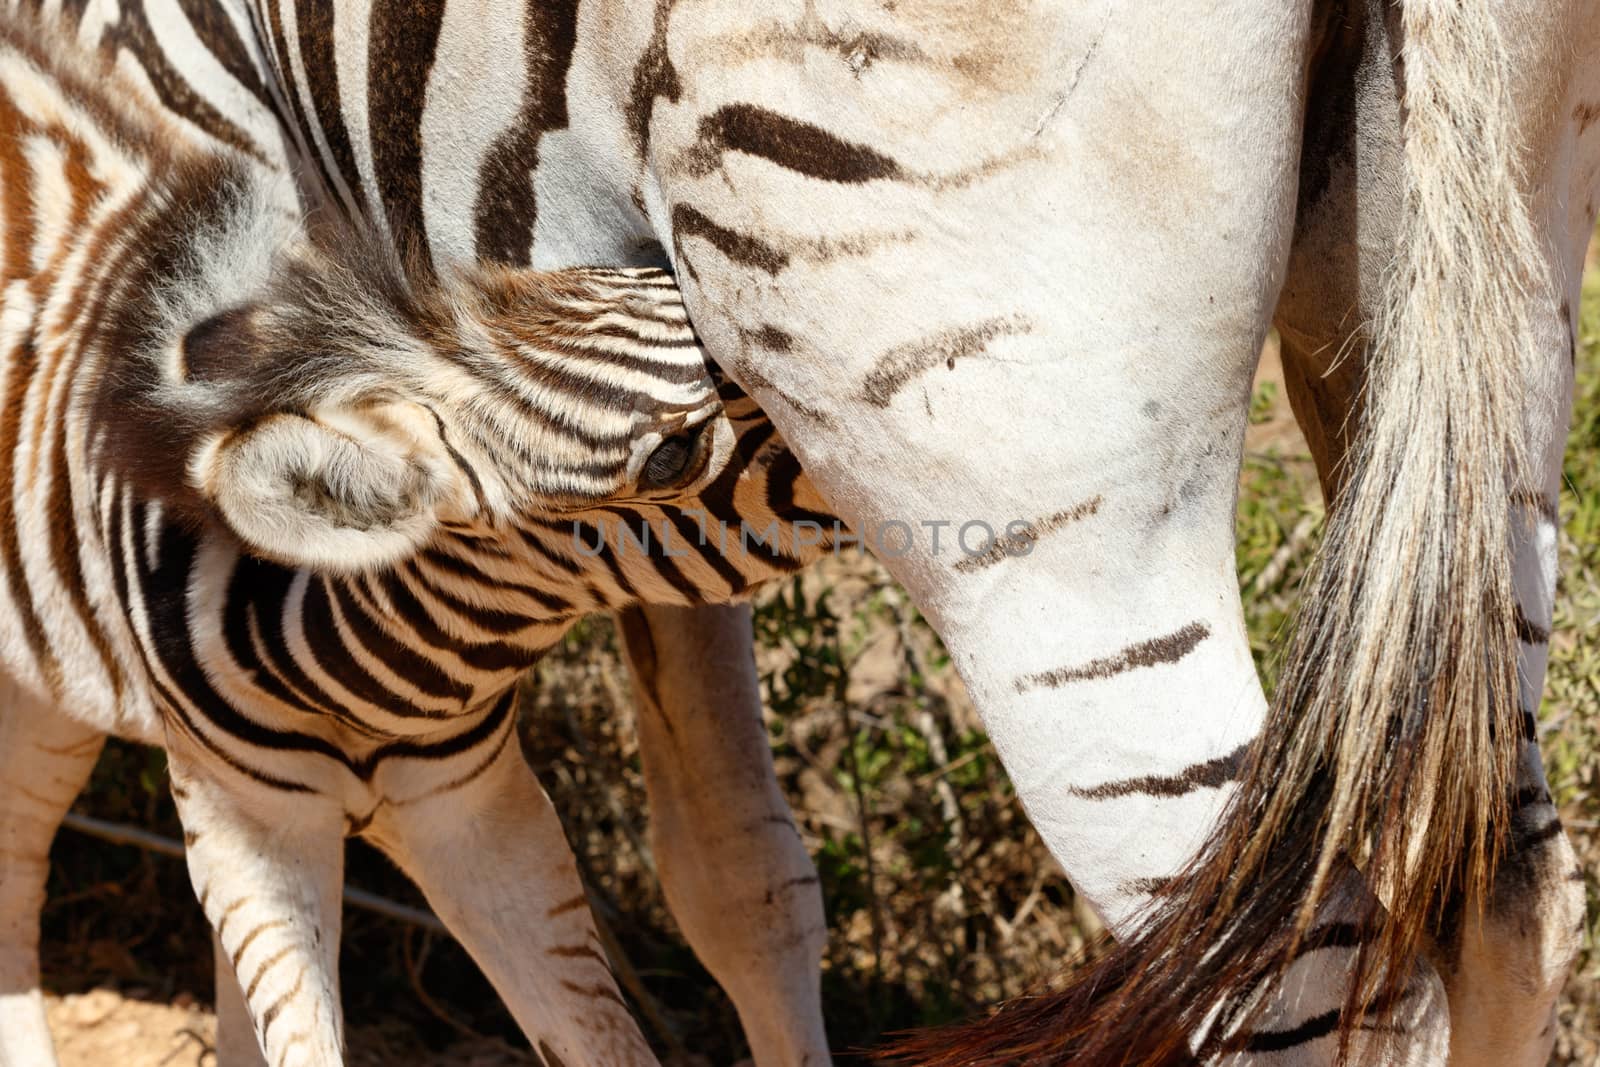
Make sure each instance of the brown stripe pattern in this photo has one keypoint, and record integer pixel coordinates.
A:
(1155, 652)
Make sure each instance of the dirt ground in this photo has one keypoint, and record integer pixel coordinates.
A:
(105, 1028)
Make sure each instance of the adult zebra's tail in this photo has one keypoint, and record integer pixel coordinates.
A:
(1391, 739)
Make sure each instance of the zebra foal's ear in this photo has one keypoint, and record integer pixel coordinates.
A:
(343, 489)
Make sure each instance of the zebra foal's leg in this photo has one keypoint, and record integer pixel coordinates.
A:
(45, 758)
(484, 844)
(735, 873)
(236, 1034)
(268, 867)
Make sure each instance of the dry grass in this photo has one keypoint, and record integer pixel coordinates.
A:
(941, 897)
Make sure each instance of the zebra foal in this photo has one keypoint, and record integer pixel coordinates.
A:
(303, 521)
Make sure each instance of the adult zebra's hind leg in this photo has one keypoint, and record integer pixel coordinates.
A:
(45, 758)
(1506, 962)
(735, 873)
(1505, 959)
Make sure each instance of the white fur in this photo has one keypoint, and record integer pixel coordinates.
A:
(343, 492)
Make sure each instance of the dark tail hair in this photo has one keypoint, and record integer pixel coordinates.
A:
(1392, 737)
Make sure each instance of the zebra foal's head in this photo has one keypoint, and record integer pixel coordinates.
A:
(343, 417)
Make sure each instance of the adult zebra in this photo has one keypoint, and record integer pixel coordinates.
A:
(897, 222)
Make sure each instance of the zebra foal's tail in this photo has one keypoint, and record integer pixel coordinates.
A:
(1391, 739)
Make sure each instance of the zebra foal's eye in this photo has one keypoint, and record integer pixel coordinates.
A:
(671, 461)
